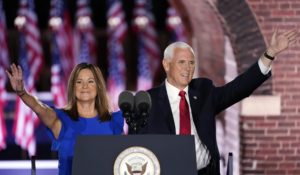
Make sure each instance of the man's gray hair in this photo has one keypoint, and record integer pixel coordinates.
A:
(169, 51)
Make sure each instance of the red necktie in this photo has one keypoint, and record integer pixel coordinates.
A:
(184, 115)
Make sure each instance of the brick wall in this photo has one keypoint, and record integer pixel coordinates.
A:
(272, 143)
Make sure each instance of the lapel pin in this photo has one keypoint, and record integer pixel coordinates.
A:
(195, 97)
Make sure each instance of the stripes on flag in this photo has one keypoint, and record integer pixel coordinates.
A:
(3, 66)
(60, 22)
(147, 43)
(86, 44)
(145, 75)
(62, 50)
(175, 26)
(117, 29)
(31, 36)
(30, 54)
(58, 87)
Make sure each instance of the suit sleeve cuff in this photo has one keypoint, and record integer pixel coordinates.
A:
(264, 69)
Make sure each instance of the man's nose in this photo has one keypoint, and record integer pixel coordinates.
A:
(188, 66)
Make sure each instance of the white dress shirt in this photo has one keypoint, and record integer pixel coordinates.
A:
(202, 154)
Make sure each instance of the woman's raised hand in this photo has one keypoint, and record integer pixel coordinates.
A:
(15, 76)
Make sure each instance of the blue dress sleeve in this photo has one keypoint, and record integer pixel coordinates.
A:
(117, 122)
(56, 142)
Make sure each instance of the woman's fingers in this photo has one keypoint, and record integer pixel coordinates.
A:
(8, 74)
(15, 71)
(19, 71)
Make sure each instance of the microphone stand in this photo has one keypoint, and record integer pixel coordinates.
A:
(132, 122)
(136, 122)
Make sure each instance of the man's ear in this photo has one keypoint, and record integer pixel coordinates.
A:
(166, 65)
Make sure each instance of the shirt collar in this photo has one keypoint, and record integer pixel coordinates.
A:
(174, 91)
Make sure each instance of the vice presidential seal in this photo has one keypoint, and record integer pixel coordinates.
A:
(136, 161)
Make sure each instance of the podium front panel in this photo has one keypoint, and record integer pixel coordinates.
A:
(97, 155)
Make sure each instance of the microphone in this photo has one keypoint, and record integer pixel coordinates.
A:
(142, 106)
(142, 102)
(135, 109)
(126, 104)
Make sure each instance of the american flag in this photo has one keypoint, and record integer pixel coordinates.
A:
(85, 32)
(147, 42)
(3, 66)
(30, 54)
(61, 51)
(60, 22)
(175, 26)
(117, 29)
(58, 87)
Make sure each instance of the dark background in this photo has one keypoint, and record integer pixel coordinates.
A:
(99, 9)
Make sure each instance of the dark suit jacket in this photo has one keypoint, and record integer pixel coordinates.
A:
(206, 102)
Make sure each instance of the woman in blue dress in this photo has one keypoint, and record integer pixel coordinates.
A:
(86, 113)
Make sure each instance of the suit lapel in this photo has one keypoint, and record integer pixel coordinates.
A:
(195, 102)
(165, 108)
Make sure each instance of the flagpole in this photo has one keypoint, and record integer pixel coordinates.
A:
(33, 167)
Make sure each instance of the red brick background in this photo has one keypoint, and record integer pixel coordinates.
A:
(275, 141)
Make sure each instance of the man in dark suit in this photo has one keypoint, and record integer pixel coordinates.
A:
(204, 100)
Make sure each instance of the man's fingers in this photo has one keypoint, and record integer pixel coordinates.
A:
(292, 36)
(291, 42)
(274, 34)
(290, 33)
